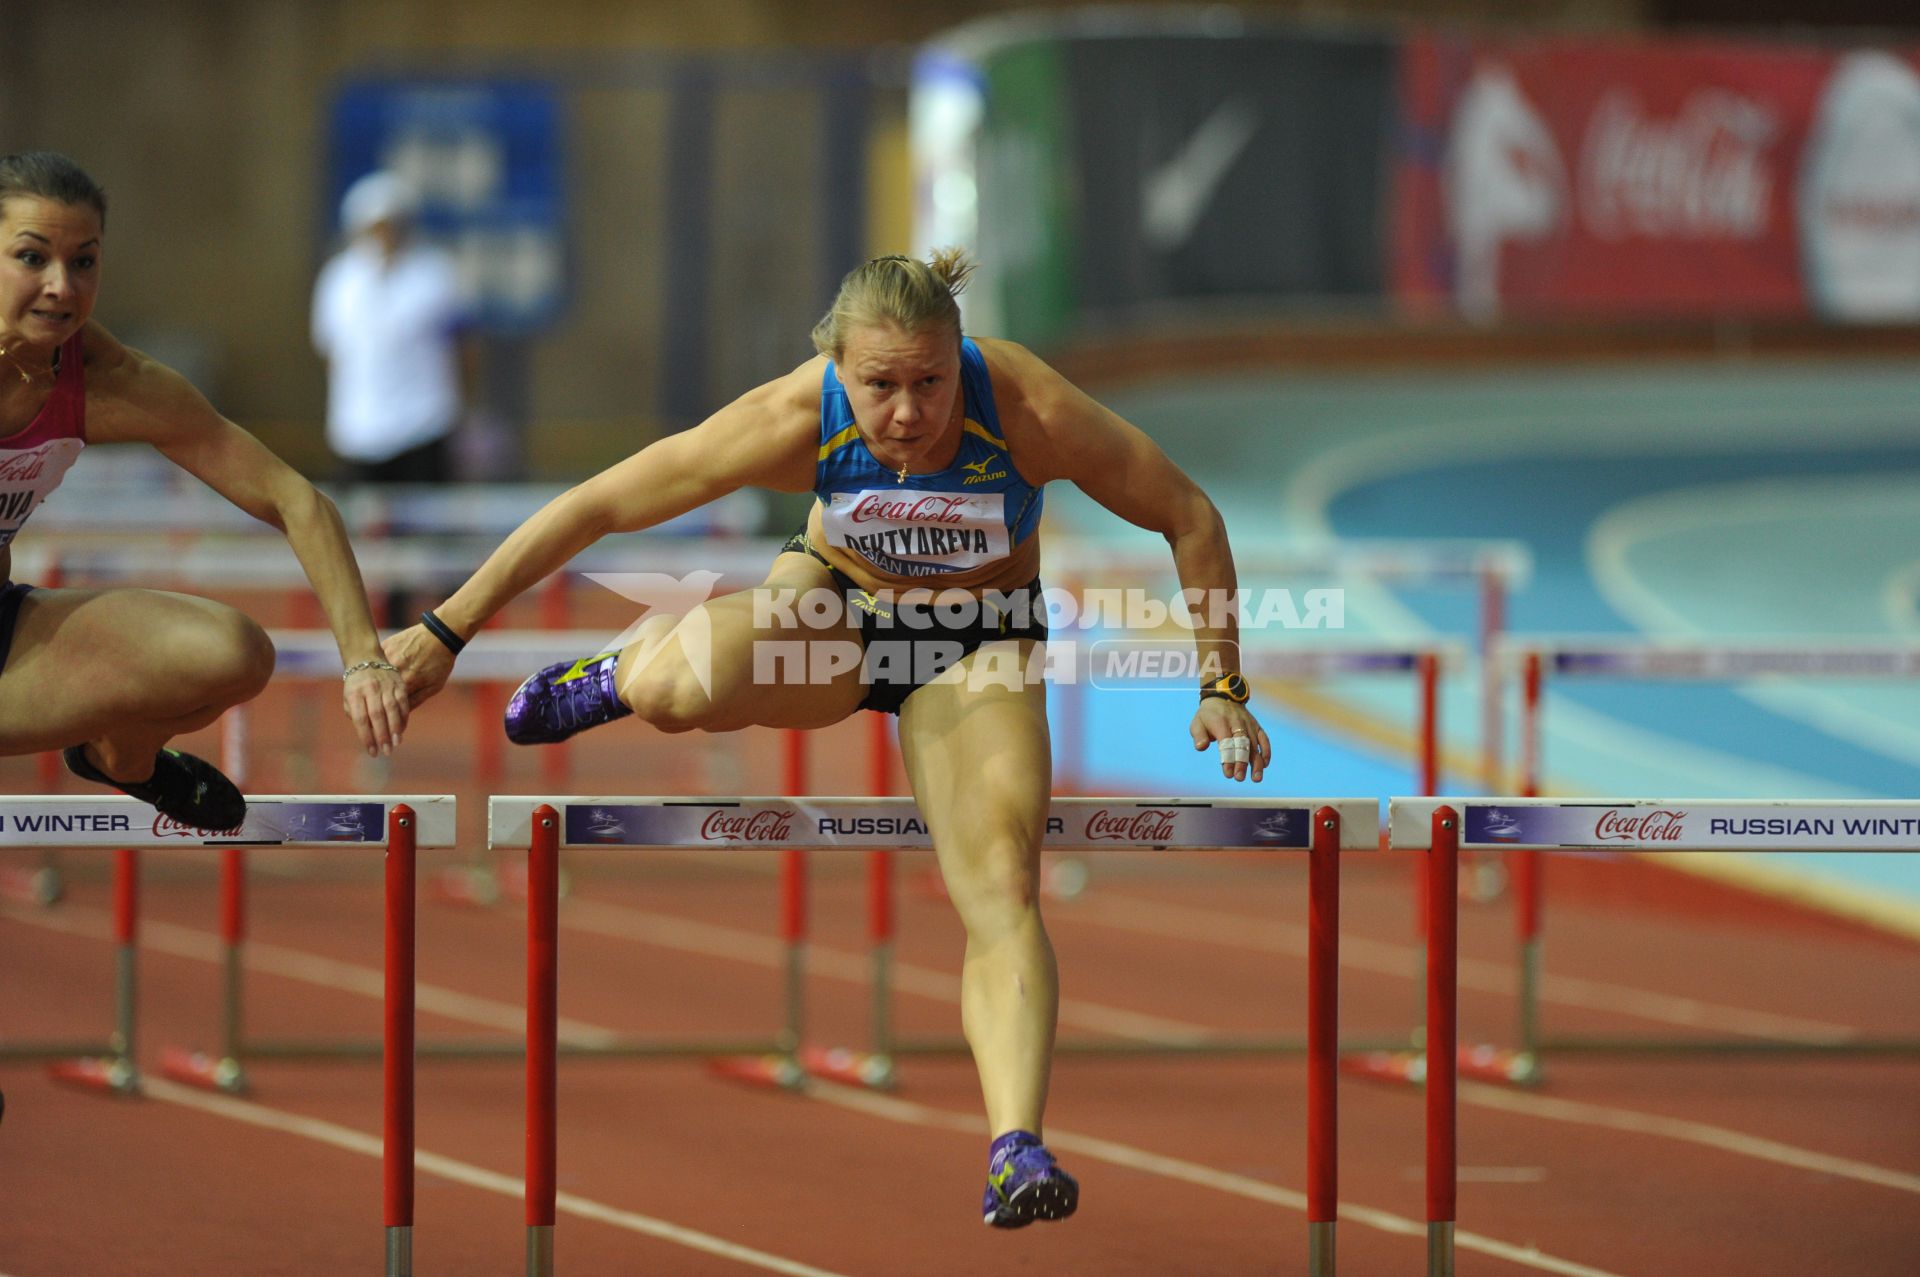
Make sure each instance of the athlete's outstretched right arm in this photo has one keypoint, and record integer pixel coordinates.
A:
(767, 438)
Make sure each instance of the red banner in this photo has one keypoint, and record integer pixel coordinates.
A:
(1681, 178)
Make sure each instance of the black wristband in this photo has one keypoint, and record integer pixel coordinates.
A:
(442, 631)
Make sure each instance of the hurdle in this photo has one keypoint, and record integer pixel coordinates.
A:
(1444, 827)
(543, 826)
(1494, 569)
(493, 657)
(1424, 663)
(1537, 658)
(400, 825)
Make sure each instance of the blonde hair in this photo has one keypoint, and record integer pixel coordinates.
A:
(897, 290)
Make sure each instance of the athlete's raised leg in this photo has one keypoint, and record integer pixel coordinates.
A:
(742, 660)
(110, 676)
(977, 755)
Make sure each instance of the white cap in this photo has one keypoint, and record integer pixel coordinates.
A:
(378, 197)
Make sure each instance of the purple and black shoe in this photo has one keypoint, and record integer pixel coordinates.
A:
(565, 699)
(1024, 1183)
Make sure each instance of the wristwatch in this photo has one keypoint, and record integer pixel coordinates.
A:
(1231, 686)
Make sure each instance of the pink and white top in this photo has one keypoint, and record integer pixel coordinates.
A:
(33, 461)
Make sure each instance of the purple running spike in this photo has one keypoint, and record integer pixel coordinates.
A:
(565, 699)
(1024, 1183)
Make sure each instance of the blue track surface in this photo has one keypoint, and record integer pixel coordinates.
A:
(1700, 501)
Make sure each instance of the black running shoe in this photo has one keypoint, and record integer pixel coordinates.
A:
(190, 790)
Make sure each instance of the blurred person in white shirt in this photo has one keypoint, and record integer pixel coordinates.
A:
(394, 324)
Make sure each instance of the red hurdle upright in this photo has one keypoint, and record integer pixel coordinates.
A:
(279, 820)
(1333, 825)
(1443, 1022)
(543, 1034)
(396, 1161)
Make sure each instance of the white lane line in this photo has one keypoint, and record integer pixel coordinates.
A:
(1208, 926)
(1093, 1148)
(1501, 1175)
(307, 968)
(447, 1168)
(1676, 1128)
(1613, 539)
(96, 926)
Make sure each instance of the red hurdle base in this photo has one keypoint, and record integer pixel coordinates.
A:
(199, 1069)
(41, 886)
(849, 1068)
(473, 885)
(782, 1071)
(1481, 1063)
(97, 1074)
(827, 1063)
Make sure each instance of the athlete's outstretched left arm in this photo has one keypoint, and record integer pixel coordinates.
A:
(1063, 433)
(132, 398)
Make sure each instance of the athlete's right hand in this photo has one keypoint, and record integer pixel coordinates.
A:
(424, 662)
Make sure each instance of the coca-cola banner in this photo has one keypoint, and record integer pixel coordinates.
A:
(895, 822)
(1668, 825)
(1675, 178)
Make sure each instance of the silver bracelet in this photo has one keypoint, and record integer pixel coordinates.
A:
(351, 670)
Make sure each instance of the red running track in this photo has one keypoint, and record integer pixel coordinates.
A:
(1190, 1165)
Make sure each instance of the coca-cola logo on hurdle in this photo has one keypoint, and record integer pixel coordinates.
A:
(757, 826)
(1654, 826)
(168, 827)
(1151, 825)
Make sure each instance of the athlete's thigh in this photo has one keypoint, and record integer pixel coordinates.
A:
(978, 755)
(83, 661)
(782, 654)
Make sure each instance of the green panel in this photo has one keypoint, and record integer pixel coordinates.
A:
(1027, 205)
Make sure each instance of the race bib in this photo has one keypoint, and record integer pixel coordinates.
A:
(907, 532)
(27, 476)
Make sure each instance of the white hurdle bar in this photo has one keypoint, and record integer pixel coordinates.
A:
(400, 825)
(1539, 658)
(1446, 826)
(1324, 828)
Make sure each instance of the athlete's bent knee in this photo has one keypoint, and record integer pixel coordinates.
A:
(238, 657)
(671, 700)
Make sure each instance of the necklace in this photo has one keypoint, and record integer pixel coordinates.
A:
(26, 374)
(900, 476)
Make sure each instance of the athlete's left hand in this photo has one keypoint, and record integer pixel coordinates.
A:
(376, 701)
(1219, 719)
